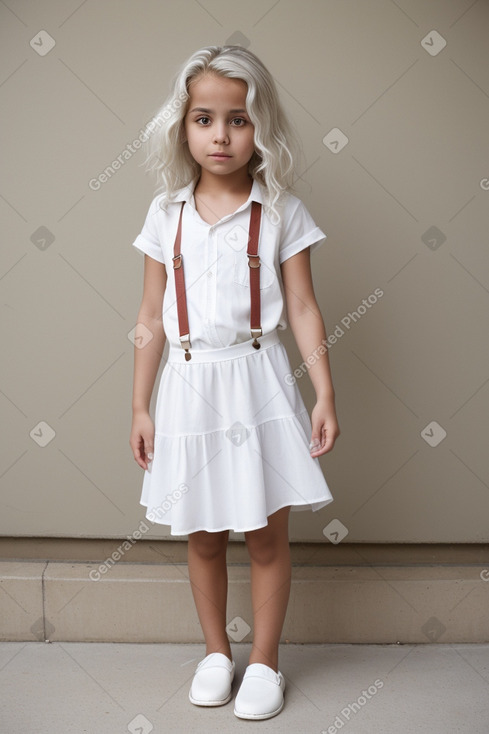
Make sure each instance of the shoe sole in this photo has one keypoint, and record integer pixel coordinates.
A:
(259, 716)
(210, 703)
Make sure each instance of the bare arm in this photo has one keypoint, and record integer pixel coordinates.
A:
(305, 319)
(307, 325)
(150, 341)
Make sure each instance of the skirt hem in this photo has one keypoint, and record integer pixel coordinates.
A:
(294, 506)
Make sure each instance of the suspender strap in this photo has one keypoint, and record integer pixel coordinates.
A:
(254, 265)
(180, 290)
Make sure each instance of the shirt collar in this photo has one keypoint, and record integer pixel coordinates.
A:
(187, 194)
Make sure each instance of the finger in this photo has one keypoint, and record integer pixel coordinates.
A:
(143, 453)
(139, 460)
(315, 444)
(319, 446)
(329, 441)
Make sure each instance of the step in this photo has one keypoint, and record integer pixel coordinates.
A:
(153, 602)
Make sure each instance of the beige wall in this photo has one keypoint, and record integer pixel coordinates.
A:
(416, 160)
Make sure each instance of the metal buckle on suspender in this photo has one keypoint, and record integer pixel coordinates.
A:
(255, 333)
(177, 257)
(185, 342)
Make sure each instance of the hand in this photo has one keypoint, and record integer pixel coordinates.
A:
(142, 438)
(325, 428)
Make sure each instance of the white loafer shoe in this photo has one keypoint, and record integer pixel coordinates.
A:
(212, 681)
(261, 694)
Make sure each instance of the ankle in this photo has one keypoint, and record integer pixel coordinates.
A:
(223, 649)
(258, 657)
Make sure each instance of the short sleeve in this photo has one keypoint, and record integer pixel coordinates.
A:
(148, 241)
(299, 231)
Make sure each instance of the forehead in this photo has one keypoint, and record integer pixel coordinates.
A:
(221, 90)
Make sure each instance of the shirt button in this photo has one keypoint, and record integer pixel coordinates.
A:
(209, 274)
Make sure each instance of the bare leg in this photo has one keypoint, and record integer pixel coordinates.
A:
(206, 556)
(270, 585)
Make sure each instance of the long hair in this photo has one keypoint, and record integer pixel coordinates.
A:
(275, 160)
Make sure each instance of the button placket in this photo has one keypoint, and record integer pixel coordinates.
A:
(208, 293)
(212, 287)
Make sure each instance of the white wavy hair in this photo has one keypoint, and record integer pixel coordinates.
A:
(277, 147)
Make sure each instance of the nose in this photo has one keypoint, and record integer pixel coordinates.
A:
(220, 133)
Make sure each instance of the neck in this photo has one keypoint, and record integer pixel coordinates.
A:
(239, 182)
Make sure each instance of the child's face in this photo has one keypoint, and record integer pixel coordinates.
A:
(220, 128)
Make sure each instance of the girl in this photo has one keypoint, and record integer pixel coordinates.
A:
(227, 256)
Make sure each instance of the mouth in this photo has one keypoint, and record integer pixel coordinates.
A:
(220, 155)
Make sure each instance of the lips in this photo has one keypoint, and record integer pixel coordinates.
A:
(220, 155)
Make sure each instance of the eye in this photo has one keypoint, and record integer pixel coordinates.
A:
(241, 119)
(201, 118)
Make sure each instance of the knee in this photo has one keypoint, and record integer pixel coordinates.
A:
(263, 548)
(208, 546)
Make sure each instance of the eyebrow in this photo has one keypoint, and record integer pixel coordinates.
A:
(204, 109)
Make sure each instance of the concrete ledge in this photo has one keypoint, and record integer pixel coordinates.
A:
(21, 603)
(93, 550)
(137, 602)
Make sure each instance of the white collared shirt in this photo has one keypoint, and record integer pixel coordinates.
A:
(216, 267)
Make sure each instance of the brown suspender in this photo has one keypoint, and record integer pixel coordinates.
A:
(180, 289)
(254, 265)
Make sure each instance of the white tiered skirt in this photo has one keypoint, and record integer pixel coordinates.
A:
(232, 438)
